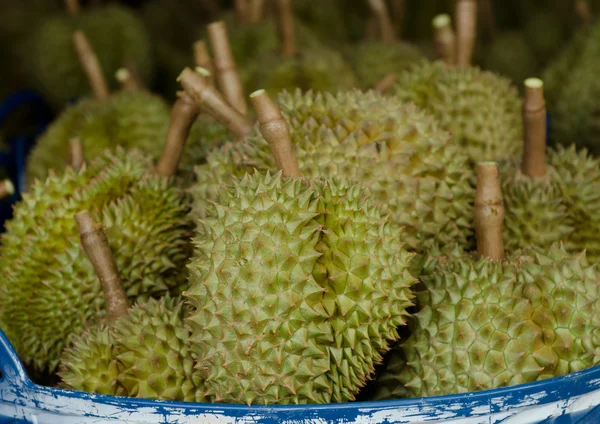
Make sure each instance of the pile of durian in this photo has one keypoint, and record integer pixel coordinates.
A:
(380, 218)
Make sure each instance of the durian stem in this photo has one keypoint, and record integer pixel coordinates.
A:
(486, 11)
(444, 38)
(202, 59)
(210, 100)
(386, 29)
(582, 9)
(228, 76)
(255, 11)
(489, 212)
(73, 7)
(7, 188)
(371, 29)
(183, 115)
(287, 32)
(275, 129)
(386, 83)
(91, 65)
(466, 29)
(95, 244)
(128, 83)
(241, 11)
(77, 157)
(534, 123)
(398, 11)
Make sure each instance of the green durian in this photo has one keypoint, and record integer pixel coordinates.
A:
(510, 55)
(298, 287)
(395, 150)
(144, 354)
(115, 33)
(49, 292)
(373, 60)
(127, 119)
(481, 110)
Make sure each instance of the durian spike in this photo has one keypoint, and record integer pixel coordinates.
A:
(398, 11)
(91, 65)
(386, 29)
(183, 115)
(286, 28)
(489, 212)
(486, 12)
(228, 77)
(444, 38)
(386, 83)
(582, 9)
(534, 123)
(76, 155)
(7, 188)
(466, 29)
(203, 60)
(241, 11)
(73, 7)
(275, 129)
(255, 11)
(211, 101)
(96, 247)
(126, 80)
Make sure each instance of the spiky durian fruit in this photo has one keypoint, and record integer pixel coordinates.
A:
(49, 292)
(481, 110)
(484, 325)
(116, 35)
(128, 119)
(373, 60)
(324, 279)
(510, 55)
(395, 150)
(144, 354)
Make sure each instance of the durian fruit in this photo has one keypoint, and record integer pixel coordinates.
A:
(481, 110)
(116, 34)
(49, 293)
(395, 150)
(143, 351)
(298, 285)
(492, 321)
(373, 60)
(510, 55)
(318, 68)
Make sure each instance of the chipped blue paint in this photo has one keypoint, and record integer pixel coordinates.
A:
(570, 399)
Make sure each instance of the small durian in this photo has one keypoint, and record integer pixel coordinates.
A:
(298, 285)
(114, 31)
(394, 149)
(481, 110)
(49, 293)
(142, 351)
(497, 321)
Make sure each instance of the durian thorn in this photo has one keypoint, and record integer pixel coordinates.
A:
(76, 154)
(466, 29)
(534, 126)
(486, 12)
(275, 129)
(228, 77)
(202, 59)
(7, 188)
(444, 39)
(90, 64)
(183, 115)
(95, 244)
(488, 213)
(73, 7)
(386, 83)
(211, 101)
(255, 11)
(384, 22)
(582, 10)
(287, 32)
